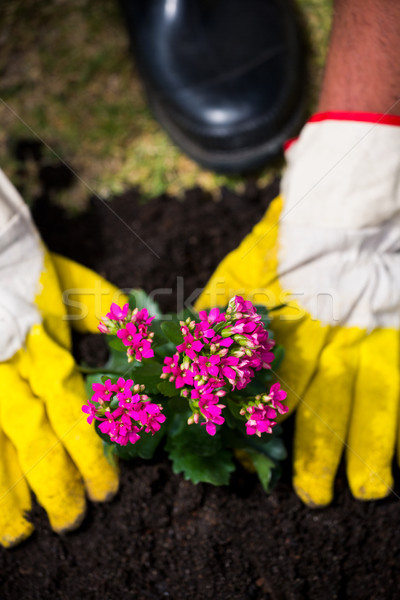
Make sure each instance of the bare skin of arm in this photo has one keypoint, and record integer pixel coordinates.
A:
(362, 72)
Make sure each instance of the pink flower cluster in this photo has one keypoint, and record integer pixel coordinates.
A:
(261, 413)
(219, 354)
(124, 411)
(132, 328)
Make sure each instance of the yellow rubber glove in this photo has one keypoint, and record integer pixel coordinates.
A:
(45, 442)
(333, 240)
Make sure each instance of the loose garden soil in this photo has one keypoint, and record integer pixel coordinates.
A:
(163, 537)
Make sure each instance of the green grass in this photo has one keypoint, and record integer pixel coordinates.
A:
(68, 79)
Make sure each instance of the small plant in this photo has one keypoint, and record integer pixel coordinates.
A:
(199, 383)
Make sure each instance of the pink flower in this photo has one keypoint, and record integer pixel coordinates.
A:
(244, 308)
(129, 335)
(133, 412)
(277, 395)
(123, 388)
(221, 354)
(141, 349)
(103, 328)
(190, 346)
(90, 410)
(209, 365)
(260, 420)
(154, 418)
(142, 317)
(109, 425)
(261, 414)
(214, 316)
(116, 313)
(138, 346)
(103, 391)
(185, 377)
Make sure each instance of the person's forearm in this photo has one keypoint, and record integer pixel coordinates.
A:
(363, 69)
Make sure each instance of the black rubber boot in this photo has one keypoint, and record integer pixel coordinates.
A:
(225, 78)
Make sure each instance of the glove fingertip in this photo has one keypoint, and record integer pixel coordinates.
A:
(104, 487)
(62, 526)
(313, 492)
(17, 533)
(367, 486)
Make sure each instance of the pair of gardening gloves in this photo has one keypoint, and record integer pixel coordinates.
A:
(327, 250)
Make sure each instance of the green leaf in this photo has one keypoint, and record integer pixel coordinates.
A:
(110, 454)
(164, 350)
(194, 439)
(167, 388)
(271, 445)
(148, 373)
(275, 448)
(143, 448)
(199, 456)
(257, 386)
(177, 404)
(90, 380)
(264, 314)
(261, 309)
(264, 467)
(173, 332)
(115, 343)
(159, 336)
(117, 361)
(114, 403)
(176, 420)
(234, 408)
(268, 444)
(139, 299)
(278, 307)
(200, 469)
(279, 353)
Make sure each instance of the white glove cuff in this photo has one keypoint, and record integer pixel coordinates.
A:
(21, 263)
(340, 227)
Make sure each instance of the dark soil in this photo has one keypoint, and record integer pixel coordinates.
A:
(163, 537)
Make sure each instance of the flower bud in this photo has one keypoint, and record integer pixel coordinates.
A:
(227, 332)
(102, 328)
(242, 340)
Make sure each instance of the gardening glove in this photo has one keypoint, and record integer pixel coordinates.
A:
(45, 443)
(329, 248)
